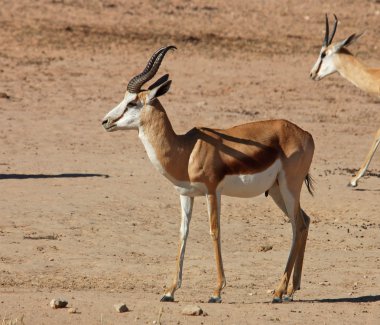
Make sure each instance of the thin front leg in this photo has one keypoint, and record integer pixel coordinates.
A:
(213, 204)
(186, 210)
(364, 166)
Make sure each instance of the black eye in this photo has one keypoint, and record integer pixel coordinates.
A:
(131, 104)
(323, 55)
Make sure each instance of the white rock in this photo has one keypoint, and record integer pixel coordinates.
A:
(121, 308)
(58, 303)
(192, 310)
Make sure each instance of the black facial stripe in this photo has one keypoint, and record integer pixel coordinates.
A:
(319, 67)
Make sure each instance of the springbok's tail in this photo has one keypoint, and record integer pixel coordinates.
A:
(309, 181)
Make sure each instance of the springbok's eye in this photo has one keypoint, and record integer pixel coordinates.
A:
(323, 54)
(131, 104)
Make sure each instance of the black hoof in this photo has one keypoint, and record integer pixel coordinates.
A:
(215, 300)
(287, 299)
(167, 298)
(276, 300)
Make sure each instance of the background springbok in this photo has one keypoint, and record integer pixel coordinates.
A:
(335, 57)
(271, 157)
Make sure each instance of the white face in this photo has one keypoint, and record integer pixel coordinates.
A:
(125, 116)
(325, 64)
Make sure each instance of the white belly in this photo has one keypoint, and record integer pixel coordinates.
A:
(244, 186)
(251, 184)
(232, 185)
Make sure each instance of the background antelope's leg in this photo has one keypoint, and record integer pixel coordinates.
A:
(186, 210)
(364, 166)
(213, 204)
(297, 272)
(291, 200)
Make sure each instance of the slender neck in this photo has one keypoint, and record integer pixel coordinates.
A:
(156, 126)
(357, 72)
(168, 151)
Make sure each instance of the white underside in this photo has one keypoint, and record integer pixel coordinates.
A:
(251, 184)
(244, 186)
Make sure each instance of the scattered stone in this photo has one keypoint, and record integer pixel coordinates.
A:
(4, 95)
(121, 308)
(72, 310)
(192, 310)
(58, 303)
(265, 248)
(270, 291)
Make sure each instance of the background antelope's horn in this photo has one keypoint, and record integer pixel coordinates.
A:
(326, 39)
(334, 30)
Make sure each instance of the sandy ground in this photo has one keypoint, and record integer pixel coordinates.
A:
(83, 213)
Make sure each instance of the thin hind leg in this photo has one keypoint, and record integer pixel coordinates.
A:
(275, 194)
(297, 272)
(288, 197)
(367, 161)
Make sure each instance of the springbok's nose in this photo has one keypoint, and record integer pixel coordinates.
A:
(105, 122)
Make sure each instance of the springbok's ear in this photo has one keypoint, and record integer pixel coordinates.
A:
(158, 91)
(159, 81)
(348, 41)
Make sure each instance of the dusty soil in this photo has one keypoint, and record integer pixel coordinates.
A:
(83, 213)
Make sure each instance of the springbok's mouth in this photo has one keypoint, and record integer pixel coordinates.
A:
(314, 77)
(109, 125)
(110, 128)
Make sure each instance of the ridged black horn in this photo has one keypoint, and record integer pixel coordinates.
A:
(327, 33)
(328, 39)
(135, 84)
(334, 30)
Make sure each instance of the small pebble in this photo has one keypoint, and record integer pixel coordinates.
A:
(192, 310)
(58, 303)
(121, 308)
(265, 248)
(72, 310)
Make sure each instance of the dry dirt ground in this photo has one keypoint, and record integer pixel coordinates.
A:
(83, 213)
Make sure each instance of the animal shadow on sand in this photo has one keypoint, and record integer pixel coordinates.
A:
(360, 299)
(46, 176)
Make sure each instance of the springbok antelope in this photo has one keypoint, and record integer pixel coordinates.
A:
(335, 57)
(271, 157)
